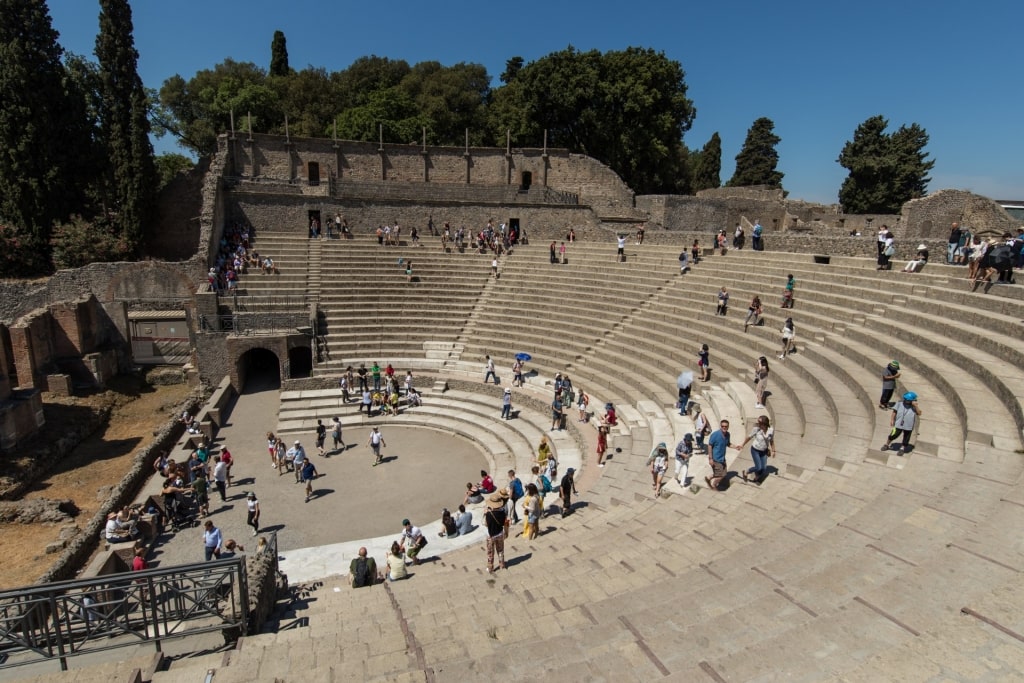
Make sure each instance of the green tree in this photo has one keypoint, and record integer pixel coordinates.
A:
(451, 98)
(626, 108)
(512, 68)
(79, 242)
(170, 165)
(279, 55)
(38, 149)
(366, 76)
(756, 163)
(199, 109)
(885, 170)
(393, 108)
(707, 172)
(125, 124)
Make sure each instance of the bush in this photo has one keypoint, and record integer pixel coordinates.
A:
(19, 257)
(81, 242)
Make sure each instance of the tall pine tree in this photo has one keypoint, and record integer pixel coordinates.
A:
(36, 149)
(124, 123)
(279, 55)
(886, 170)
(708, 171)
(756, 163)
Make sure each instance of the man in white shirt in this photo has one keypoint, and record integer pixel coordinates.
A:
(622, 248)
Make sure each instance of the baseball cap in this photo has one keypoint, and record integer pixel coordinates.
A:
(405, 522)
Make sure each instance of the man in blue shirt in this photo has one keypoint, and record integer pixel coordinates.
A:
(718, 442)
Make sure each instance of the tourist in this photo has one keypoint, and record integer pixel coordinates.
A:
(116, 531)
(695, 252)
(761, 373)
(758, 243)
(718, 444)
(621, 255)
(531, 512)
(552, 254)
(336, 433)
(495, 517)
(904, 417)
(212, 540)
(413, 541)
(566, 491)
(890, 373)
(542, 484)
(658, 464)
(788, 293)
(363, 570)
(139, 561)
(395, 561)
(887, 252)
(308, 474)
(610, 417)
(582, 404)
(375, 373)
(883, 231)
(272, 449)
(917, 264)
(753, 312)
(473, 495)
(448, 527)
(376, 442)
(517, 373)
(561, 253)
(201, 493)
(788, 335)
(229, 462)
(252, 517)
(762, 446)
(506, 404)
(557, 414)
(489, 370)
(737, 237)
(640, 233)
(515, 490)
(464, 521)
(701, 428)
(543, 452)
(683, 400)
(220, 477)
(296, 455)
(364, 384)
(684, 262)
(704, 363)
(684, 451)
(602, 444)
(955, 235)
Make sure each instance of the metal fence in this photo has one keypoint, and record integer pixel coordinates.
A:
(71, 618)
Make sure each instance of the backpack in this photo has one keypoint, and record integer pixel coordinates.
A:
(517, 488)
(361, 575)
(545, 484)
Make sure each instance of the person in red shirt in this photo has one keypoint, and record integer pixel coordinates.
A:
(139, 561)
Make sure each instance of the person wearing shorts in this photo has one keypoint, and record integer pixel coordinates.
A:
(718, 442)
(413, 541)
(375, 442)
(622, 248)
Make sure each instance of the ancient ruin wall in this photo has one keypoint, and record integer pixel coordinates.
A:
(933, 215)
(274, 157)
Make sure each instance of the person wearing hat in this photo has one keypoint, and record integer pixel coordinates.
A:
(506, 404)
(413, 541)
(495, 517)
(566, 489)
(684, 449)
(658, 464)
(904, 417)
(118, 532)
(297, 456)
(253, 512)
(890, 373)
(375, 442)
(918, 263)
(701, 427)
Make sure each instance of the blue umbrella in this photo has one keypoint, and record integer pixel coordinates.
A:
(523, 357)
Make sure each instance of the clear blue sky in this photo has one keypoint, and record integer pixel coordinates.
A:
(817, 69)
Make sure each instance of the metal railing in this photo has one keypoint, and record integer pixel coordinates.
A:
(71, 618)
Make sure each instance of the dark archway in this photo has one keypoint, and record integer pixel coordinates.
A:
(259, 370)
(300, 361)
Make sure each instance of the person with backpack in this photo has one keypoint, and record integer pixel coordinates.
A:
(515, 489)
(890, 373)
(543, 485)
(904, 418)
(321, 437)
(495, 518)
(758, 244)
(701, 428)
(363, 570)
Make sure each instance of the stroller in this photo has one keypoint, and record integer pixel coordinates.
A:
(181, 513)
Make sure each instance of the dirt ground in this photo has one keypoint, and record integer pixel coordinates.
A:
(97, 462)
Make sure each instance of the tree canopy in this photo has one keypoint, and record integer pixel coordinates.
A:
(756, 163)
(885, 169)
(279, 55)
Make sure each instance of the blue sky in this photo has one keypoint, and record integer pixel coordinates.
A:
(816, 68)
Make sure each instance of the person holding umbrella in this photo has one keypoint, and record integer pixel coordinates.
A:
(685, 383)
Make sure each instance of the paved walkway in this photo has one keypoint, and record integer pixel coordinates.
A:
(354, 503)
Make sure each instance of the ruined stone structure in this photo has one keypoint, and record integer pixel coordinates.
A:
(932, 216)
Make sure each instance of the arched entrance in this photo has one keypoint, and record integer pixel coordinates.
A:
(258, 370)
(300, 362)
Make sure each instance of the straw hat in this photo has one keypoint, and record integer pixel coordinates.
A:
(497, 500)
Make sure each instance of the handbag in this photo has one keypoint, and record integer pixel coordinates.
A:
(421, 542)
(508, 523)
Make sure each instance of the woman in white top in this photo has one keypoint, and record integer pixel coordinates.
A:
(788, 335)
(762, 446)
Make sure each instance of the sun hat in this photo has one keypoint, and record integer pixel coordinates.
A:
(297, 443)
(921, 247)
(508, 390)
(688, 438)
(251, 494)
(895, 364)
(570, 471)
(496, 500)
